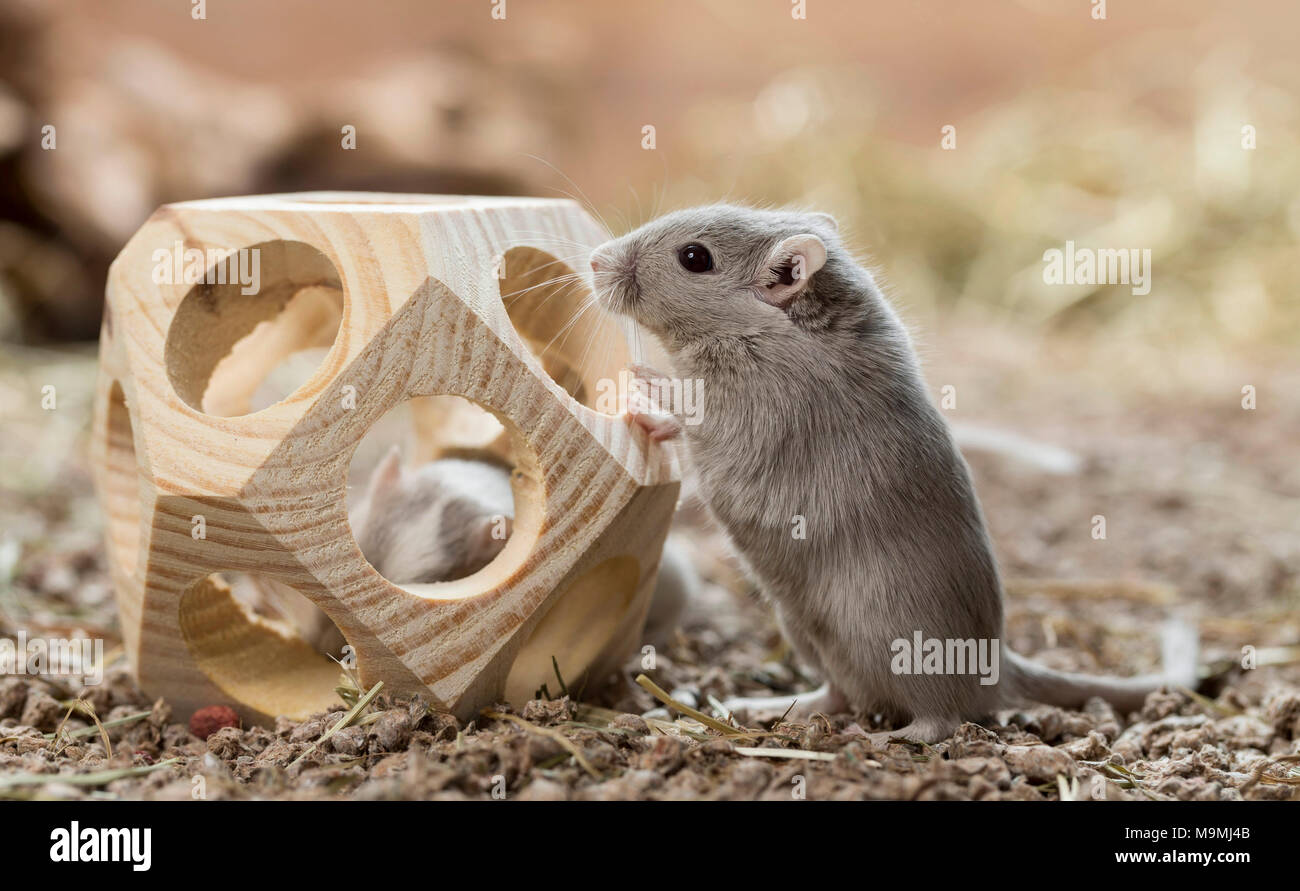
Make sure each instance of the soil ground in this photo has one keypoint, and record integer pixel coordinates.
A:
(1202, 503)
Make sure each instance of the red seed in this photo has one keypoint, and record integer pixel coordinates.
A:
(207, 721)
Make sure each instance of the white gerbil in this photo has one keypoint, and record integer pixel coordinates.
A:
(814, 416)
(438, 522)
(451, 517)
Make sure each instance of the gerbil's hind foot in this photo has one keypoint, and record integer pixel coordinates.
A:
(922, 730)
(824, 700)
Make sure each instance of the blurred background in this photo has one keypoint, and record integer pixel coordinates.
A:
(1123, 132)
(1126, 131)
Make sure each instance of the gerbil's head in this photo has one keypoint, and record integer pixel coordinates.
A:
(421, 526)
(713, 269)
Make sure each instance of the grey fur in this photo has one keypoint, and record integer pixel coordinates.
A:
(819, 410)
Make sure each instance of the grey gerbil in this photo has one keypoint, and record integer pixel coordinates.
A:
(814, 414)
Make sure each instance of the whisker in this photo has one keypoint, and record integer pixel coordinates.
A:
(640, 214)
(550, 281)
(540, 235)
(565, 259)
(585, 199)
(663, 192)
(586, 305)
(572, 273)
(557, 287)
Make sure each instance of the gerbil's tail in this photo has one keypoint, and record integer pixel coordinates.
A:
(1179, 647)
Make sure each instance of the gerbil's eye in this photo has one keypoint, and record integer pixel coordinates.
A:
(695, 258)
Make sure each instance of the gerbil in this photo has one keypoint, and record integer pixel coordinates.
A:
(815, 417)
(442, 521)
(438, 522)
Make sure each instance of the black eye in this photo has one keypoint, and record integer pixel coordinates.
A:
(695, 258)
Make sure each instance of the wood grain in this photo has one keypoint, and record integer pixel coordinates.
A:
(420, 312)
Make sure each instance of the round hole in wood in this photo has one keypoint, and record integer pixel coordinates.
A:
(244, 635)
(580, 347)
(121, 482)
(579, 624)
(441, 492)
(255, 329)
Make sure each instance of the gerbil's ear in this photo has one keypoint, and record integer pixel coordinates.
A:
(826, 219)
(487, 536)
(790, 265)
(387, 477)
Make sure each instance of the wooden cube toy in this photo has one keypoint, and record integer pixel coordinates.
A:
(413, 297)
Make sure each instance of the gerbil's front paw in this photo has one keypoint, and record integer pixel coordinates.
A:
(645, 413)
(650, 385)
(660, 426)
(647, 372)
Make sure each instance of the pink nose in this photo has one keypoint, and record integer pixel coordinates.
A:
(595, 265)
